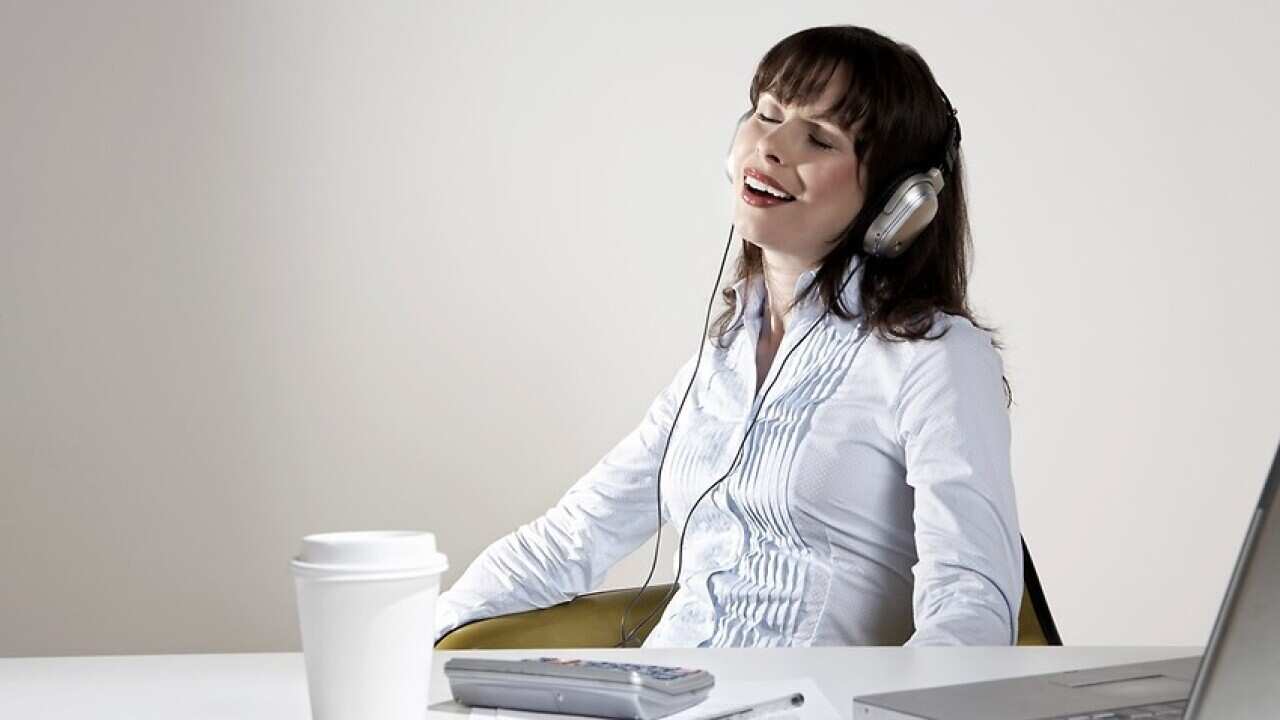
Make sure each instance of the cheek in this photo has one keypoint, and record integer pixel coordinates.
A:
(742, 147)
(837, 183)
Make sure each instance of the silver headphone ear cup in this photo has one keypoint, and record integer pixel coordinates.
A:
(909, 209)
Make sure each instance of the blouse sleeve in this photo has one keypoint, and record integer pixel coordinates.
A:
(954, 427)
(608, 513)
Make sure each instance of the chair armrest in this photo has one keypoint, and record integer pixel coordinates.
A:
(587, 621)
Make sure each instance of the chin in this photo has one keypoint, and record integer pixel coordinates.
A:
(749, 234)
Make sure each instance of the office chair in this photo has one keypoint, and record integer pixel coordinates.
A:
(591, 620)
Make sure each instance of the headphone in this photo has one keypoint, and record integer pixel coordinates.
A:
(907, 206)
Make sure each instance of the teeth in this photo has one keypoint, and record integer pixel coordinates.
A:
(756, 184)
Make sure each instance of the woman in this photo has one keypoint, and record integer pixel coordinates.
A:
(871, 502)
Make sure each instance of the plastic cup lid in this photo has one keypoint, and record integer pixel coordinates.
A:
(375, 551)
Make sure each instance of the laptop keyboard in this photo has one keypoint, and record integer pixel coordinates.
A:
(1162, 711)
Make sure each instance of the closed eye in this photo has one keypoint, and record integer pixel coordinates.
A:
(812, 139)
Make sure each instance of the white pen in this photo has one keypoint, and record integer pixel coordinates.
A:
(786, 702)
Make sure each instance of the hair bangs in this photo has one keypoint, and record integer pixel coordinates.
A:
(796, 73)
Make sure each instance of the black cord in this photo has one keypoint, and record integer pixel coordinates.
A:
(629, 636)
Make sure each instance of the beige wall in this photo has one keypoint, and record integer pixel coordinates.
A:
(275, 268)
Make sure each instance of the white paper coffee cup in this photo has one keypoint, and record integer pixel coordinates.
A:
(366, 609)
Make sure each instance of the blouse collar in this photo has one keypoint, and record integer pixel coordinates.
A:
(749, 292)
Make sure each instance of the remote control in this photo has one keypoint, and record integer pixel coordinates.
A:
(578, 687)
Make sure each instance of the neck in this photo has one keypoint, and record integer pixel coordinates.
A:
(780, 276)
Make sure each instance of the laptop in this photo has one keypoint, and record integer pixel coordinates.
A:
(1237, 677)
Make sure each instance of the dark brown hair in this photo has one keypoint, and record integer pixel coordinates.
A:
(905, 123)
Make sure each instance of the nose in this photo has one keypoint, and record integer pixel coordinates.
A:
(768, 146)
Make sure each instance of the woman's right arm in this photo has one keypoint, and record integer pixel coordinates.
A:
(608, 513)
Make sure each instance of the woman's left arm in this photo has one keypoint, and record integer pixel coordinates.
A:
(954, 427)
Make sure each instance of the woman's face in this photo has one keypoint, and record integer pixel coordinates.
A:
(826, 182)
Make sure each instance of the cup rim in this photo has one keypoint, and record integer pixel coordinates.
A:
(357, 534)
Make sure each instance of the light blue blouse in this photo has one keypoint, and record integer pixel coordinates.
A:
(873, 503)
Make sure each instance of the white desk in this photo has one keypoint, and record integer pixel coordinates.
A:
(274, 685)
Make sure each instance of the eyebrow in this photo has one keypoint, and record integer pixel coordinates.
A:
(829, 115)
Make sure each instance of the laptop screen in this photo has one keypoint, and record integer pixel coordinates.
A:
(1238, 676)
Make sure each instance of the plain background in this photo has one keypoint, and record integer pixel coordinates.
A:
(276, 268)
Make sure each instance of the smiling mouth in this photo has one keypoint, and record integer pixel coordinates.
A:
(763, 195)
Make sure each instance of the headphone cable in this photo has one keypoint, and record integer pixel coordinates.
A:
(629, 636)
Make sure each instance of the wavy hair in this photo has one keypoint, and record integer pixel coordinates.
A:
(905, 126)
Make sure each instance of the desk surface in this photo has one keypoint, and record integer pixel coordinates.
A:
(274, 685)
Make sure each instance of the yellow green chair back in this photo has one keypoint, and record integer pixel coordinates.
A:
(592, 620)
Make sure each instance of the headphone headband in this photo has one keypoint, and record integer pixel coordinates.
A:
(952, 141)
